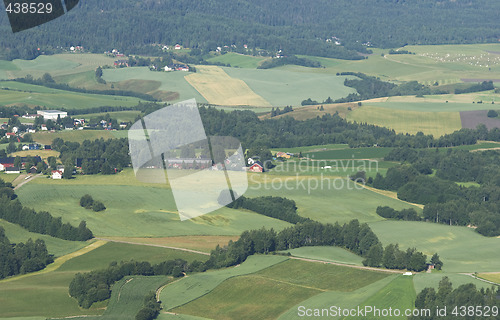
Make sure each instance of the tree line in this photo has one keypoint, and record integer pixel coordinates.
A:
(47, 81)
(41, 222)
(446, 201)
(278, 62)
(462, 302)
(21, 258)
(483, 86)
(94, 286)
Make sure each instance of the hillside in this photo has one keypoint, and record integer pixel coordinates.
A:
(296, 26)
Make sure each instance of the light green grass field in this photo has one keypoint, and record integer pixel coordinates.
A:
(197, 285)
(329, 254)
(398, 294)
(344, 300)
(312, 148)
(47, 294)
(73, 135)
(352, 153)
(8, 177)
(342, 201)
(52, 98)
(495, 277)
(460, 248)
(135, 211)
(55, 246)
(57, 65)
(435, 123)
(170, 81)
(268, 293)
(283, 87)
(430, 106)
(238, 60)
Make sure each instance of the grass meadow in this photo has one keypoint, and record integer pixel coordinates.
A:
(47, 294)
(77, 135)
(238, 60)
(328, 254)
(460, 248)
(435, 123)
(270, 292)
(219, 88)
(32, 95)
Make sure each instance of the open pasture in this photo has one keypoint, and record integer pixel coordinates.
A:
(338, 199)
(453, 244)
(218, 87)
(328, 254)
(435, 123)
(283, 87)
(135, 211)
(238, 60)
(170, 81)
(268, 293)
(351, 153)
(47, 294)
(197, 285)
(73, 135)
(56, 65)
(33, 95)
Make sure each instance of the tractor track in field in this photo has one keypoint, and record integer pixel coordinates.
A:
(349, 265)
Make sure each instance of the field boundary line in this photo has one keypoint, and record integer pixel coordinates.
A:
(388, 193)
(347, 265)
(58, 262)
(154, 245)
(481, 279)
(287, 282)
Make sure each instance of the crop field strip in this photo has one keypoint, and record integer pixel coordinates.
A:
(219, 88)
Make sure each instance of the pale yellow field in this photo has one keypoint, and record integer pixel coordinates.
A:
(215, 85)
(494, 277)
(406, 121)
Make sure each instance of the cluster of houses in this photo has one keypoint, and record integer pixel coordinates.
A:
(8, 164)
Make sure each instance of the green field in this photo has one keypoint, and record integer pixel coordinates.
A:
(120, 116)
(21, 93)
(405, 121)
(55, 246)
(197, 285)
(268, 293)
(398, 294)
(135, 211)
(341, 202)
(352, 153)
(170, 81)
(495, 277)
(57, 65)
(312, 148)
(238, 60)
(77, 135)
(329, 254)
(127, 296)
(47, 294)
(431, 280)
(460, 248)
(283, 87)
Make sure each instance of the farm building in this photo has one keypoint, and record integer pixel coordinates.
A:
(256, 167)
(56, 174)
(52, 114)
(12, 170)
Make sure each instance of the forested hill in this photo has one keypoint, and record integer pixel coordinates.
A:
(296, 26)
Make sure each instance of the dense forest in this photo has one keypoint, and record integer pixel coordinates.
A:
(296, 26)
(22, 257)
(445, 200)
